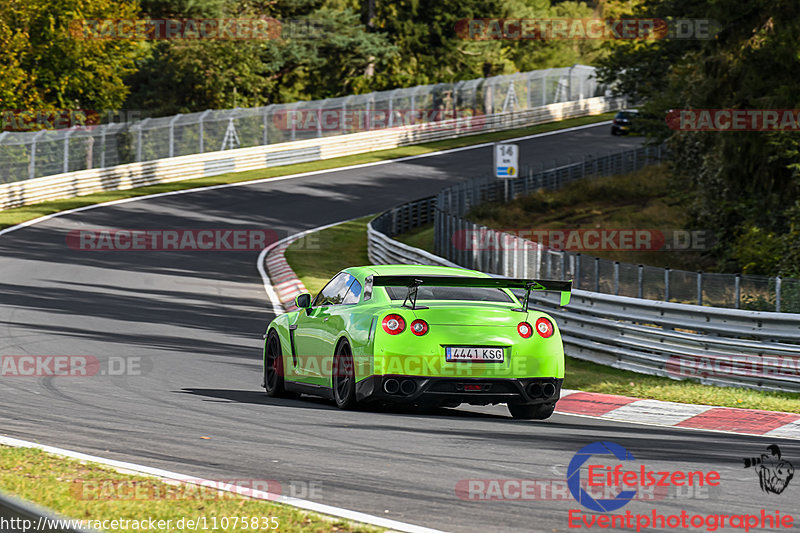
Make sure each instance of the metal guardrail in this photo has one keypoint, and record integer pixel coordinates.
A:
(17, 516)
(476, 246)
(131, 175)
(728, 347)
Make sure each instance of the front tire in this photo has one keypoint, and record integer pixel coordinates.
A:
(344, 377)
(273, 367)
(541, 411)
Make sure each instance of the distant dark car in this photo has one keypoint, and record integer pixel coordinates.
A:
(624, 122)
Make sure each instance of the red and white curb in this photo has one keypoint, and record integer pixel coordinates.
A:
(773, 424)
(682, 415)
(282, 278)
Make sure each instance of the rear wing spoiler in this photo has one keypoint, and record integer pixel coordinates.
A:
(528, 285)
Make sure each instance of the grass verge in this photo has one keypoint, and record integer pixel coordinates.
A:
(94, 492)
(345, 245)
(316, 259)
(640, 200)
(18, 215)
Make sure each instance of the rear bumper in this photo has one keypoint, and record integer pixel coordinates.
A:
(478, 391)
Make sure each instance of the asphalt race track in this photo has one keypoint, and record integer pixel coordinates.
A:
(192, 323)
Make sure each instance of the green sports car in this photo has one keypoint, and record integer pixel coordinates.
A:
(426, 335)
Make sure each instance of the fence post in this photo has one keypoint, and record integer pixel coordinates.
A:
(66, 149)
(616, 278)
(103, 146)
(737, 290)
(172, 134)
(32, 166)
(596, 274)
(666, 284)
(139, 140)
(699, 288)
(640, 290)
(777, 294)
(202, 129)
(266, 126)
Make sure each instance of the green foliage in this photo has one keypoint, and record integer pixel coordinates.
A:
(742, 186)
(44, 66)
(326, 60)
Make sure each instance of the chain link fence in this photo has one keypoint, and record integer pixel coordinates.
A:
(26, 155)
(478, 247)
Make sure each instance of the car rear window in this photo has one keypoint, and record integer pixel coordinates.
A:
(452, 293)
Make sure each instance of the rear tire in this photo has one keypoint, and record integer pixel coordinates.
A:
(541, 411)
(273, 368)
(343, 380)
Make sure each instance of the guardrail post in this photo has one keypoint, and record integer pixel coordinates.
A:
(515, 271)
(524, 258)
(577, 272)
(737, 291)
(699, 288)
(563, 265)
(666, 284)
(640, 290)
(777, 294)
(596, 274)
(616, 278)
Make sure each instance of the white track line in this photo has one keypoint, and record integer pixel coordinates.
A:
(272, 296)
(277, 309)
(290, 176)
(125, 467)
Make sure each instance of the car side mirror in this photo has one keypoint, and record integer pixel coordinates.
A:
(303, 301)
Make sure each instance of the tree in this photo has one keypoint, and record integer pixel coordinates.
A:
(321, 52)
(742, 186)
(46, 65)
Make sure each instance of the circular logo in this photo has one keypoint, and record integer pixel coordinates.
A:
(574, 477)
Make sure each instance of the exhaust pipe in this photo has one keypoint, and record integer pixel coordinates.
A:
(535, 390)
(391, 386)
(549, 390)
(407, 386)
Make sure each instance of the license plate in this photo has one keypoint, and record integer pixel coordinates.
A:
(474, 354)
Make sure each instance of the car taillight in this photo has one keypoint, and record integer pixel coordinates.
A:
(393, 324)
(524, 329)
(419, 327)
(544, 327)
